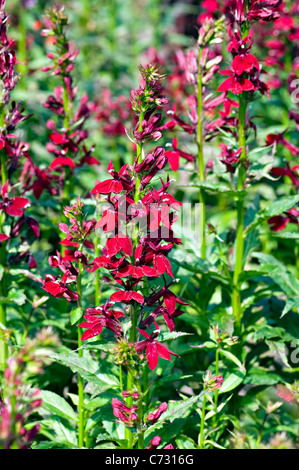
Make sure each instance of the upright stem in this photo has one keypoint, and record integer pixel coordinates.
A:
(200, 159)
(97, 273)
(130, 378)
(216, 373)
(80, 380)
(202, 421)
(3, 283)
(3, 293)
(22, 49)
(139, 158)
(140, 416)
(236, 295)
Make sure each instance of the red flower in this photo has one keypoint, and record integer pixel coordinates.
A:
(234, 83)
(126, 297)
(280, 139)
(174, 155)
(62, 161)
(14, 206)
(279, 222)
(58, 288)
(116, 185)
(154, 349)
(3, 237)
(100, 317)
(290, 172)
(124, 413)
(244, 63)
(229, 157)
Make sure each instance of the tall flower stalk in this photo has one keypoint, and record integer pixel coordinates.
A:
(76, 234)
(67, 140)
(139, 220)
(12, 153)
(243, 80)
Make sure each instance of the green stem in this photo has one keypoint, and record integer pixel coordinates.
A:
(236, 295)
(140, 416)
(202, 421)
(3, 283)
(80, 380)
(200, 159)
(121, 378)
(22, 50)
(3, 293)
(97, 275)
(297, 258)
(216, 373)
(139, 159)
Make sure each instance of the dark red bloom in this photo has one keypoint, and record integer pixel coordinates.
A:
(100, 317)
(292, 173)
(14, 206)
(127, 415)
(235, 84)
(229, 157)
(265, 10)
(116, 185)
(154, 349)
(126, 297)
(174, 155)
(279, 222)
(57, 288)
(244, 63)
(272, 139)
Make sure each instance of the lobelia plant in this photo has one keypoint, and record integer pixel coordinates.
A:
(17, 230)
(119, 280)
(68, 140)
(138, 221)
(18, 399)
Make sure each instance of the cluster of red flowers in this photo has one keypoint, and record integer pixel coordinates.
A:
(133, 201)
(14, 153)
(67, 144)
(129, 256)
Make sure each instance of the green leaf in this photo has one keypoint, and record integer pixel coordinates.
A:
(214, 444)
(76, 315)
(232, 358)
(276, 208)
(89, 370)
(14, 296)
(172, 335)
(279, 349)
(261, 376)
(270, 332)
(176, 410)
(218, 188)
(232, 381)
(185, 442)
(57, 405)
(115, 430)
(59, 430)
(290, 235)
